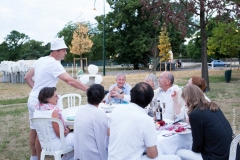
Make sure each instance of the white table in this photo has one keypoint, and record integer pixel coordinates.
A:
(166, 145)
(171, 144)
(73, 111)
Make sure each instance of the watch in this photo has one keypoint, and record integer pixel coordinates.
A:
(121, 92)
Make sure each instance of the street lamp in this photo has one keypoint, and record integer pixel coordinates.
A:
(104, 51)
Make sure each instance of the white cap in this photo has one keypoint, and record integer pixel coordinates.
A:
(57, 43)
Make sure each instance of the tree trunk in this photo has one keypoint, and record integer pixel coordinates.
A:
(135, 66)
(204, 45)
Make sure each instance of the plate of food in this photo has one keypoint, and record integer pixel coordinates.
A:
(182, 130)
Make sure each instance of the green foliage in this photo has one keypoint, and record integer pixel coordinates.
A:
(128, 37)
(33, 50)
(13, 101)
(14, 43)
(194, 48)
(225, 40)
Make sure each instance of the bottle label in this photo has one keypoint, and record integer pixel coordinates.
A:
(158, 116)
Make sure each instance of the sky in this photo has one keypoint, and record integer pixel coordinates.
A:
(41, 20)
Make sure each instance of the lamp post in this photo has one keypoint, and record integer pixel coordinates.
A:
(104, 51)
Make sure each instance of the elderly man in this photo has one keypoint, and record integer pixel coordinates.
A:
(170, 95)
(132, 133)
(119, 92)
(46, 71)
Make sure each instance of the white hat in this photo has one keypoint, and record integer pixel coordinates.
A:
(57, 43)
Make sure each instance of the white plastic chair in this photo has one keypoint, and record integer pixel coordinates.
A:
(45, 135)
(71, 99)
(233, 148)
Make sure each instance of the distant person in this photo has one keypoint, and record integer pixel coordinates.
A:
(90, 128)
(211, 131)
(46, 108)
(152, 80)
(132, 133)
(46, 72)
(180, 63)
(119, 93)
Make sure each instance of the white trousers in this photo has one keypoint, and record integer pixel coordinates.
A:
(162, 157)
(185, 154)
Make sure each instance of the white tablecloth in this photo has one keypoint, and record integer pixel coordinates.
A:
(171, 144)
(166, 145)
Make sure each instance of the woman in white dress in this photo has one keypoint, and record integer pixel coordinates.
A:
(46, 108)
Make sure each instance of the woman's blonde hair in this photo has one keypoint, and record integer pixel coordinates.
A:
(194, 97)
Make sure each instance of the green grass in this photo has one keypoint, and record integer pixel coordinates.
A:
(13, 101)
(14, 130)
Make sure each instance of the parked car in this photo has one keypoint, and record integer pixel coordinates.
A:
(219, 63)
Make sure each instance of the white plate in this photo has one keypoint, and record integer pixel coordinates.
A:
(187, 131)
(107, 108)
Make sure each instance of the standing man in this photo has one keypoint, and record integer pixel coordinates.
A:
(46, 72)
(170, 95)
(119, 93)
(132, 133)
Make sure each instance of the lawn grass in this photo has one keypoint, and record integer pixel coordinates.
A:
(14, 122)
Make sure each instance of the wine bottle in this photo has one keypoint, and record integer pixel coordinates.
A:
(158, 111)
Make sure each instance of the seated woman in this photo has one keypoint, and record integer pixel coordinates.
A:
(211, 131)
(152, 80)
(46, 108)
(90, 128)
(198, 81)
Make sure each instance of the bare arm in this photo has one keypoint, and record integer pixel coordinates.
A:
(28, 77)
(56, 127)
(152, 152)
(177, 107)
(72, 82)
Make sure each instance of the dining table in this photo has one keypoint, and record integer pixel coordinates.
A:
(169, 141)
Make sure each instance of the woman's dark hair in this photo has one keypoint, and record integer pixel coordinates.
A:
(45, 93)
(141, 94)
(95, 94)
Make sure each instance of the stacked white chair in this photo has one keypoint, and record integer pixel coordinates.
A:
(44, 135)
(15, 71)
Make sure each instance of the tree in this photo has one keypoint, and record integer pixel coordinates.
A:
(81, 43)
(164, 44)
(177, 13)
(4, 52)
(194, 48)
(225, 40)
(33, 49)
(67, 34)
(14, 43)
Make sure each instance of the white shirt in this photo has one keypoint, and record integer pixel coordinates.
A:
(90, 133)
(165, 97)
(131, 131)
(46, 72)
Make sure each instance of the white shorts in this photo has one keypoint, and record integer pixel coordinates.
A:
(32, 102)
